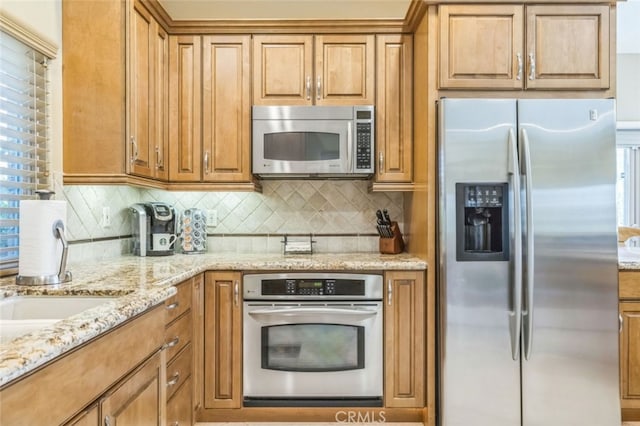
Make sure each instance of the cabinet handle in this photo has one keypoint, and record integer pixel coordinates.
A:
(174, 379)
(134, 145)
(389, 292)
(381, 162)
(172, 306)
(107, 421)
(308, 86)
(159, 158)
(175, 424)
(172, 343)
(206, 162)
(318, 87)
(519, 74)
(532, 67)
(236, 292)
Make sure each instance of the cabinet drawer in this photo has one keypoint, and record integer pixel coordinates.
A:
(178, 371)
(177, 335)
(180, 406)
(178, 304)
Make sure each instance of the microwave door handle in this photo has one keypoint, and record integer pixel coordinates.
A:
(349, 147)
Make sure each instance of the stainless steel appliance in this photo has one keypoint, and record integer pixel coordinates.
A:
(308, 141)
(528, 309)
(312, 339)
(153, 229)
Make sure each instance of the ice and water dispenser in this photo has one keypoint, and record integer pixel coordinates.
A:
(482, 222)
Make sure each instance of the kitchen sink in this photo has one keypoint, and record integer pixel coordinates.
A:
(20, 315)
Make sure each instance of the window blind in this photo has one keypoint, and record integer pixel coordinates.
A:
(24, 138)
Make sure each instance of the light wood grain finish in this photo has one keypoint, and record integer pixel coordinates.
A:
(160, 118)
(404, 331)
(226, 110)
(282, 65)
(570, 46)
(630, 355)
(344, 70)
(140, 398)
(185, 101)
(479, 46)
(178, 335)
(82, 375)
(180, 302)
(394, 109)
(629, 284)
(223, 340)
(179, 407)
(90, 417)
(178, 370)
(197, 311)
(94, 88)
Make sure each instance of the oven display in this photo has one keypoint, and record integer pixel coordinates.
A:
(312, 287)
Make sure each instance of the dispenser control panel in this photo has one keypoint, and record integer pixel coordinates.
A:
(483, 196)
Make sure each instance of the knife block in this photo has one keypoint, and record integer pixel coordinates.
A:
(392, 245)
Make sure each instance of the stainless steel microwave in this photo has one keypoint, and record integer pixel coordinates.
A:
(313, 141)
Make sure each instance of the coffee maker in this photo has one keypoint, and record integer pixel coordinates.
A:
(153, 229)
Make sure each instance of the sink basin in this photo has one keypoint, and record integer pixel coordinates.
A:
(20, 315)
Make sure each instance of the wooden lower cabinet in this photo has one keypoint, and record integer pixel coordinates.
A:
(629, 285)
(222, 340)
(179, 407)
(75, 386)
(139, 399)
(404, 337)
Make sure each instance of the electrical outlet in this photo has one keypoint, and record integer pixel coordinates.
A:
(212, 218)
(106, 217)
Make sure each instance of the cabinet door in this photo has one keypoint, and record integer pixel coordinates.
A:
(404, 339)
(481, 47)
(223, 340)
(89, 417)
(568, 47)
(630, 354)
(141, 101)
(282, 69)
(140, 398)
(226, 109)
(197, 309)
(179, 407)
(185, 94)
(160, 122)
(394, 108)
(344, 70)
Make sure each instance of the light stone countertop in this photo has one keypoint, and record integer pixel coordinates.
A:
(140, 283)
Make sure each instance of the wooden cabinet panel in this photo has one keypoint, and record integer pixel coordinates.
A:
(178, 370)
(481, 46)
(308, 70)
(394, 103)
(197, 340)
(180, 302)
(160, 117)
(140, 398)
(185, 94)
(90, 417)
(223, 340)
(226, 133)
(282, 69)
(179, 411)
(344, 69)
(630, 354)
(404, 339)
(178, 335)
(489, 47)
(568, 47)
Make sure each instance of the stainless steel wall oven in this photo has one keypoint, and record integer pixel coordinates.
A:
(312, 339)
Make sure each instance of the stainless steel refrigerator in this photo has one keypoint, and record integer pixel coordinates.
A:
(527, 286)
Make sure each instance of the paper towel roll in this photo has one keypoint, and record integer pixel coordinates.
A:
(40, 250)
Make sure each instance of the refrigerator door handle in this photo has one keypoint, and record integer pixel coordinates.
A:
(515, 310)
(527, 305)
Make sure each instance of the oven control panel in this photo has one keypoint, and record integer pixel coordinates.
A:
(312, 286)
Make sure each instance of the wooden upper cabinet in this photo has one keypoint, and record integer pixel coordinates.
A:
(394, 109)
(185, 94)
(568, 47)
(481, 46)
(308, 70)
(226, 108)
(524, 47)
(148, 104)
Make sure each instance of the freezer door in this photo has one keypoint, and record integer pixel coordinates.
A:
(570, 326)
(479, 382)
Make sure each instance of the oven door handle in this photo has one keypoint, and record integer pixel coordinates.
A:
(290, 312)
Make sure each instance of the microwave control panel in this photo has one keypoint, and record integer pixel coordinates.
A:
(364, 137)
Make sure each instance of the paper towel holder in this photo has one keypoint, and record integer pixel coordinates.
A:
(63, 275)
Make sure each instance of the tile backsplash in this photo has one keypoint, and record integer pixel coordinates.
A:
(340, 214)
